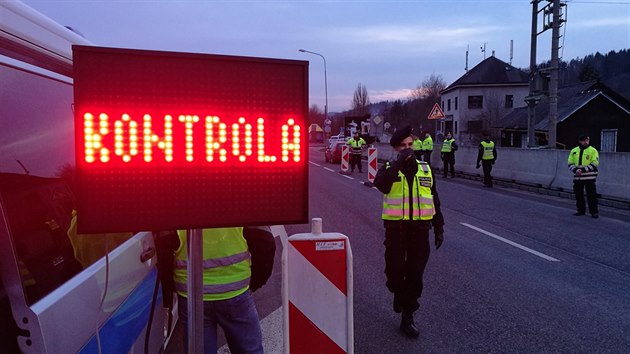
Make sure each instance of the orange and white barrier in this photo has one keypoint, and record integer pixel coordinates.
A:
(372, 154)
(345, 158)
(317, 293)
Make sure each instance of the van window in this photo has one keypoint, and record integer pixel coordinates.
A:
(36, 173)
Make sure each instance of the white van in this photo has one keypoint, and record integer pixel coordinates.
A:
(60, 292)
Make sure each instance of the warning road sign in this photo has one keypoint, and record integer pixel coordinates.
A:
(436, 112)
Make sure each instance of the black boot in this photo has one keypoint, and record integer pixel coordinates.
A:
(407, 326)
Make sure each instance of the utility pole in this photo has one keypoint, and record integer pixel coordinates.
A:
(555, 67)
(553, 10)
(531, 99)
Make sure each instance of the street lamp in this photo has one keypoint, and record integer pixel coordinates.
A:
(325, 80)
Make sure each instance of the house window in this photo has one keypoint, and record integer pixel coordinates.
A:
(448, 104)
(475, 102)
(509, 101)
(455, 128)
(609, 140)
(455, 103)
(442, 105)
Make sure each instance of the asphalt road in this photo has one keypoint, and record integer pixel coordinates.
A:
(517, 271)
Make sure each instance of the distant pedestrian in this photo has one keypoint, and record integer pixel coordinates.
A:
(411, 207)
(356, 144)
(449, 146)
(427, 147)
(584, 163)
(487, 156)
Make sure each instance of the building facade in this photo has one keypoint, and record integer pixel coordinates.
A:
(480, 98)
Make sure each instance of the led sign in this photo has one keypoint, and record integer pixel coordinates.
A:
(178, 140)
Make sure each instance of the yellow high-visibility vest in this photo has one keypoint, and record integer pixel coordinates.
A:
(427, 144)
(488, 150)
(396, 202)
(226, 264)
(447, 145)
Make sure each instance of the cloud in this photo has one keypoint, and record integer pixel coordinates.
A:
(601, 22)
(389, 95)
(411, 35)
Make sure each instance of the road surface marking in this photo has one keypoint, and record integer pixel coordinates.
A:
(348, 177)
(318, 165)
(329, 169)
(526, 249)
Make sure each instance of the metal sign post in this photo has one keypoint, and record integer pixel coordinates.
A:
(195, 290)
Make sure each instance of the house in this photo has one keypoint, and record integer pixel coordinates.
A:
(315, 133)
(584, 108)
(478, 99)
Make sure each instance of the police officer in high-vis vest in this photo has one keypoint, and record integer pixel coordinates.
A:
(356, 143)
(227, 300)
(427, 147)
(411, 207)
(448, 154)
(486, 157)
(584, 164)
(417, 147)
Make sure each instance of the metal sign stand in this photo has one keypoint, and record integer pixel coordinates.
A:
(195, 290)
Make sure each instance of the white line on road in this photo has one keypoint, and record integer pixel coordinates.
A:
(512, 243)
(348, 177)
(318, 165)
(329, 169)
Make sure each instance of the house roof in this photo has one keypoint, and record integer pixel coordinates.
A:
(570, 99)
(315, 128)
(490, 72)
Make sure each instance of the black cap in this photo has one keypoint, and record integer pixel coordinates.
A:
(582, 137)
(400, 135)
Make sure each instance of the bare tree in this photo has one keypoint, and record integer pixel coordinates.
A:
(315, 115)
(360, 100)
(429, 89)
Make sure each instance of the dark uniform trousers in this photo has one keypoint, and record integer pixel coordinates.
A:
(406, 255)
(487, 170)
(355, 160)
(591, 196)
(449, 163)
(427, 156)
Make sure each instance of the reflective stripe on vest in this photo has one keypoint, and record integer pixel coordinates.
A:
(488, 150)
(396, 202)
(447, 145)
(226, 264)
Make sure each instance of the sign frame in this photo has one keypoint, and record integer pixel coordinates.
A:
(97, 212)
(436, 112)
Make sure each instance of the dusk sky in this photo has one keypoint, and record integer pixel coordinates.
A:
(389, 46)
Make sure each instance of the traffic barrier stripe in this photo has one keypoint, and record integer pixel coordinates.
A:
(345, 158)
(372, 164)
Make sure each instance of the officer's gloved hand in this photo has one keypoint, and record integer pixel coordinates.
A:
(439, 237)
(478, 165)
(403, 157)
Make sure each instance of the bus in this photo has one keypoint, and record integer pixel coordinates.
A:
(61, 291)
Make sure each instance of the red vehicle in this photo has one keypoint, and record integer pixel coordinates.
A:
(333, 151)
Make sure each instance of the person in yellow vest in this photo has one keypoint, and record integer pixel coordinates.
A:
(448, 154)
(411, 207)
(226, 290)
(356, 144)
(417, 147)
(584, 164)
(486, 156)
(427, 147)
